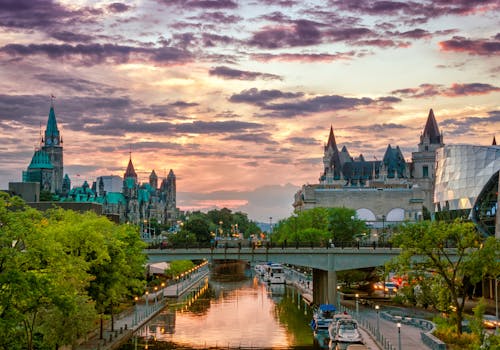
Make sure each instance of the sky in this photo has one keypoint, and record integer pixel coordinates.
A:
(238, 97)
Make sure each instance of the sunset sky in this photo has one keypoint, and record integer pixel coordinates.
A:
(237, 97)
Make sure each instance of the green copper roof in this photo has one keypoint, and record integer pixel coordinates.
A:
(52, 131)
(40, 160)
(115, 198)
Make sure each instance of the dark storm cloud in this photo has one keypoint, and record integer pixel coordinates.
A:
(258, 138)
(255, 97)
(230, 73)
(92, 54)
(82, 86)
(304, 57)
(301, 33)
(482, 47)
(202, 4)
(429, 90)
(118, 7)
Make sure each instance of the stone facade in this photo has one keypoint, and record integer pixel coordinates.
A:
(382, 192)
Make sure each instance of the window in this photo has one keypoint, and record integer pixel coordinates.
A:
(425, 171)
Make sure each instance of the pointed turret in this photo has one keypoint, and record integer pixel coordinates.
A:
(153, 180)
(431, 130)
(494, 141)
(52, 136)
(130, 173)
(331, 140)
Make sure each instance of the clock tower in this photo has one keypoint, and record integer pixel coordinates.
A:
(52, 145)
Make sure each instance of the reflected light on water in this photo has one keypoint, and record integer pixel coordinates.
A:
(241, 316)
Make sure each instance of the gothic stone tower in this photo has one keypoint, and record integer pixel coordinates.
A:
(52, 145)
(423, 161)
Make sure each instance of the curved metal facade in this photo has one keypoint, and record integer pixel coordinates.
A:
(465, 178)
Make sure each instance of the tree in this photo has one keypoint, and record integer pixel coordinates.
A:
(343, 224)
(426, 252)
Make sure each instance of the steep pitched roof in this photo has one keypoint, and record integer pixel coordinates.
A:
(130, 170)
(51, 131)
(331, 140)
(494, 141)
(40, 160)
(431, 129)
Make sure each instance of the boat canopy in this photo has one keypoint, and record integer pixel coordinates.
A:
(327, 307)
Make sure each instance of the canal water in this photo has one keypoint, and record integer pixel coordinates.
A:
(230, 311)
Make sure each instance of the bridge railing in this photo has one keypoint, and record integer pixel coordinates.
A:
(240, 244)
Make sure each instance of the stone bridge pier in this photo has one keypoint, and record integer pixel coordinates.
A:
(324, 287)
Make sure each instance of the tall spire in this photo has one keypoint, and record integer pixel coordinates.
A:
(431, 129)
(52, 136)
(331, 140)
(130, 169)
(494, 141)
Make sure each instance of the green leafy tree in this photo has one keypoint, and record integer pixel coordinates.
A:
(199, 225)
(178, 267)
(425, 252)
(343, 225)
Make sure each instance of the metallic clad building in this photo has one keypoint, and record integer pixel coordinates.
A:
(467, 178)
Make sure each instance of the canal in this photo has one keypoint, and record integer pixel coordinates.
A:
(230, 310)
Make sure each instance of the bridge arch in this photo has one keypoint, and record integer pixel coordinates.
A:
(396, 214)
(365, 214)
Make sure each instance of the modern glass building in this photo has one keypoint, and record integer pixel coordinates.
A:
(467, 184)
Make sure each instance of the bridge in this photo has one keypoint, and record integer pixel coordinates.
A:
(325, 262)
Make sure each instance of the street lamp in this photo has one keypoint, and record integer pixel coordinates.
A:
(156, 302)
(221, 231)
(147, 302)
(136, 321)
(377, 308)
(496, 305)
(399, 335)
(357, 306)
(338, 297)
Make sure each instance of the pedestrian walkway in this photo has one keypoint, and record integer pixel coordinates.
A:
(127, 322)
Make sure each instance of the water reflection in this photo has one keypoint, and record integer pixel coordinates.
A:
(230, 314)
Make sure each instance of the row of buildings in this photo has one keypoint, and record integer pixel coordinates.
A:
(440, 180)
(123, 199)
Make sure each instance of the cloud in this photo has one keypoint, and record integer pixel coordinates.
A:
(230, 73)
(79, 85)
(258, 138)
(304, 57)
(92, 54)
(118, 7)
(430, 90)
(67, 36)
(413, 11)
(202, 4)
(318, 104)
(259, 98)
(300, 33)
(483, 47)
(217, 17)
(306, 141)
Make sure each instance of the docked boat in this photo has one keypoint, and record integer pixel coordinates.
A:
(347, 331)
(332, 327)
(322, 317)
(274, 273)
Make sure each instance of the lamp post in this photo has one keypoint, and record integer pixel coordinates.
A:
(136, 321)
(377, 308)
(220, 229)
(156, 299)
(496, 305)
(357, 306)
(338, 297)
(399, 335)
(147, 302)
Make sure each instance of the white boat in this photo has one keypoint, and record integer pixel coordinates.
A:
(322, 317)
(259, 269)
(274, 273)
(332, 327)
(347, 331)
